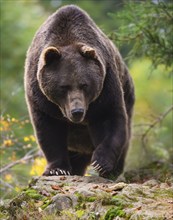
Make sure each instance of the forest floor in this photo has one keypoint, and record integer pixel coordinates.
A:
(139, 194)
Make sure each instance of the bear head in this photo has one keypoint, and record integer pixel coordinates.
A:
(71, 77)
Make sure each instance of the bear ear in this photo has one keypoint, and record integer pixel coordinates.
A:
(88, 51)
(49, 55)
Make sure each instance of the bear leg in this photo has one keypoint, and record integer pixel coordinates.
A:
(110, 138)
(52, 137)
(79, 162)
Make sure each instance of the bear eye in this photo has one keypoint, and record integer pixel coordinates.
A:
(65, 88)
(83, 86)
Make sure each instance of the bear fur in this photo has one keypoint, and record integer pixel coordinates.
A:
(79, 94)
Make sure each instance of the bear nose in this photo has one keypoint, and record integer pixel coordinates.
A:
(77, 113)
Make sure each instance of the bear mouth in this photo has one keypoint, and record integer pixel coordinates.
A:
(76, 121)
(77, 115)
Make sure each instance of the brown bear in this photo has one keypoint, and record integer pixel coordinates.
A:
(80, 96)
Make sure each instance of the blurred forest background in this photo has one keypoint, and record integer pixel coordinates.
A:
(143, 32)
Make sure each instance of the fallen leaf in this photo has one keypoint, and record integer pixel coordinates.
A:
(139, 208)
(57, 187)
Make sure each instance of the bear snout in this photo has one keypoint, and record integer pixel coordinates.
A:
(77, 114)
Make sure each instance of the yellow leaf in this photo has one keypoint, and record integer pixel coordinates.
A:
(38, 167)
(32, 138)
(26, 139)
(8, 143)
(8, 177)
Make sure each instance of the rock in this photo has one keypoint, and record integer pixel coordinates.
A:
(59, 203)
(151, 183)
(93, 197)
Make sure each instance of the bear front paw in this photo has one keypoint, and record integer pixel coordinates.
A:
(104, 168)
(101, 169)
(97, 167)
(105, 171)
(56, 172)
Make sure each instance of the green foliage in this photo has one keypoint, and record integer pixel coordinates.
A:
(114, 212)
(19, 21)
(13, 135)
(16, 144)
(158, 170)
(147, 28)
(153, 98)
(97, 9)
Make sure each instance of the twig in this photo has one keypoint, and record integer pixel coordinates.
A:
(27, 157)
(6, 184)
(158, 120)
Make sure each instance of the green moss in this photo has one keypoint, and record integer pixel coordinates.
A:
(33, 182)
(30, 200)
(18, 201)
(115, 200)
(94, 216)
(90, 199)
(82, 200)
(113, 212)
(70, 215)
(3, 213)
(79, 195)
(162, 193)
(80, 213)
(33, 194)
(46, 202)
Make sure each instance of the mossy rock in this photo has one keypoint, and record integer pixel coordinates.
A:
(74, 197)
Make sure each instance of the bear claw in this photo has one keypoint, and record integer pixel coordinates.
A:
(97, 166)
(94, 163)
(59, 172)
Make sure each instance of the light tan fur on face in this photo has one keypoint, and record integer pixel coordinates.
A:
(75, 100)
